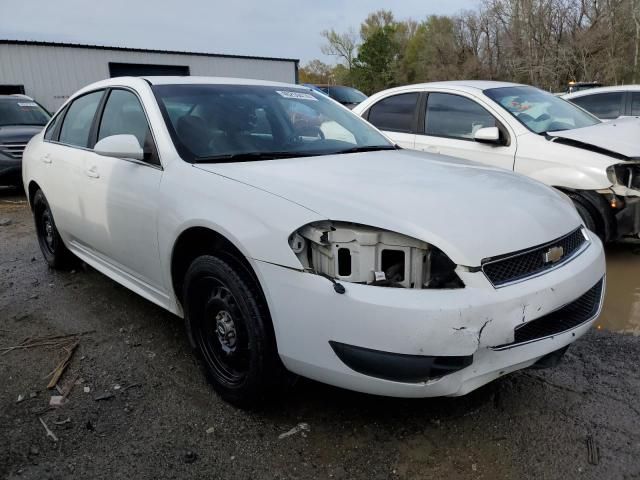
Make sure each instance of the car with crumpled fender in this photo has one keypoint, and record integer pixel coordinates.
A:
(312, 248)
(526, 130)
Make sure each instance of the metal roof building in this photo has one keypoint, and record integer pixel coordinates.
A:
(51, 72)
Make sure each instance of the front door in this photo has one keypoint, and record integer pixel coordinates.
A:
(121, 195)
(450, 123)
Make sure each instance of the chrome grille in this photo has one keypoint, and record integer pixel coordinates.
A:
(13, 149)
(527, 263)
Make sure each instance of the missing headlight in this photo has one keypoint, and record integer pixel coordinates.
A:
(360, 254)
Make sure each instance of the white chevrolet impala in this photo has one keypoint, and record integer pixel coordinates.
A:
(292, 236)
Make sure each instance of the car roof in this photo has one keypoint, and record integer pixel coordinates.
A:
(176, 80)
(469, 85)
(613, 88)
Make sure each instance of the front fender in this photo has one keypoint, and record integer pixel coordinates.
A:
(256, 222)
(572, 178)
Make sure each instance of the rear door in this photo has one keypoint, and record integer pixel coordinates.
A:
(120, 195)
(67, 140)
(397, 117)
(450, 121)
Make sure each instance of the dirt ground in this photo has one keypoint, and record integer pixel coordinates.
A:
(139, 406)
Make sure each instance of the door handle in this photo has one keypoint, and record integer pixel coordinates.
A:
(46, 158)
(92, 172)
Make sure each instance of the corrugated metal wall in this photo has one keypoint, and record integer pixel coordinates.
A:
(50, 74)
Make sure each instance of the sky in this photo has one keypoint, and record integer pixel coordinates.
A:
(278, 28)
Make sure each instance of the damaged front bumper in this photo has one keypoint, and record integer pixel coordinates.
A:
(423, 343)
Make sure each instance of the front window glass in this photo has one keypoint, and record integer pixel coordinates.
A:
(245, 122)
(540, 111)
(455, 116)
(602, 105)
(123, 115)
(21, 111)
(77, 122)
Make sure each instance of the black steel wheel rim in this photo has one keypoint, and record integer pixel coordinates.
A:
(221, 331)
(46, 231)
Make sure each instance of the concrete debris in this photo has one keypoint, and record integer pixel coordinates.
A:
(301, 427)
(49, 432)
(20, 398)
(57, 401)
(210, 430)
(104, 396)
(4, 222)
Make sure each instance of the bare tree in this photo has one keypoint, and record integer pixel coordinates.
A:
(342, 45)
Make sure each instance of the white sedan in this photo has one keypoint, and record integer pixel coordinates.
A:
(529, 131)
(608, 103)
(294, 237)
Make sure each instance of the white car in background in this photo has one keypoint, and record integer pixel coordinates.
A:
(609, 103)
(327, 252)
(529, 131)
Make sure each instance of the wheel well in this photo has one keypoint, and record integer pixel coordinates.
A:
(33, 188)
(197, 241)
(599, 209)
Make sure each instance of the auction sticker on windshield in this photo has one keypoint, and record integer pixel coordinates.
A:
(296, 95)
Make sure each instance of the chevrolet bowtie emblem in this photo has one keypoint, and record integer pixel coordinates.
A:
(553, 255)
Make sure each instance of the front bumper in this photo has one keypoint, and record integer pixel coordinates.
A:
(476, 321)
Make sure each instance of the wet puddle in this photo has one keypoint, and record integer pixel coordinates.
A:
(621, 311)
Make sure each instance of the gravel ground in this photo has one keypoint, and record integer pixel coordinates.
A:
(139, 407)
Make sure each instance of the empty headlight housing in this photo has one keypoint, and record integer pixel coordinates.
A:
(356, 253)
(625, 173)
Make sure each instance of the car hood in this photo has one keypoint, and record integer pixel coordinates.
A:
(469, 211)
(18, 133)
(618, 136)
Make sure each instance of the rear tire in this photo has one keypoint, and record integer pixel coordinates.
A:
(53, 248)
(229, 327)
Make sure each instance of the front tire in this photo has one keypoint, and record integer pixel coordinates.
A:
(53, 248)
(229, 326)
(586, 212)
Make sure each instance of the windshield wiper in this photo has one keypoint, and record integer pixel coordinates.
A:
(371, 148)
(251, 156)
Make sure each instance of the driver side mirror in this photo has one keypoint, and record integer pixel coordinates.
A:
(487, 135)
(120, 146)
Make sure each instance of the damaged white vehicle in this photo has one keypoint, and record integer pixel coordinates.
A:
(529, 131)
(293, 236)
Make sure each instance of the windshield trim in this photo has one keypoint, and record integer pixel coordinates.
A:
(512, 115)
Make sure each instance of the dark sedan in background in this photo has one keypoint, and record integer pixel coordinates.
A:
(20, 119)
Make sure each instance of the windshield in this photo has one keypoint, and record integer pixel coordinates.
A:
(21, 111)
(245, 122)
(539, 111)
(345, 94)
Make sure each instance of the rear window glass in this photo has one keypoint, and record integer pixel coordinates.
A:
(395, 113)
